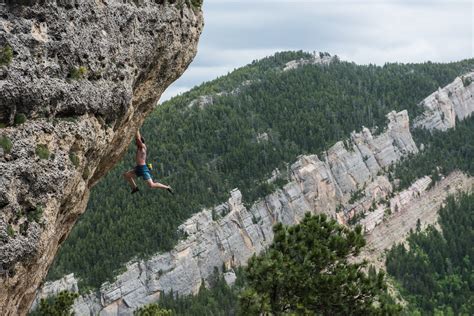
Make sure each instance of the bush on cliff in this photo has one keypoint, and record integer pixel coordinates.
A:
(6, 55)
(6, 144)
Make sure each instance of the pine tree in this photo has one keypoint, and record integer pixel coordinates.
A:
(151, 310)
(59, 305)
(306, 271)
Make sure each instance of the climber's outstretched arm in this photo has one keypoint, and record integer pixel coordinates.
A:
(138, 140)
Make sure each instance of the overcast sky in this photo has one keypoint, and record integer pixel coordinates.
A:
(237, 32)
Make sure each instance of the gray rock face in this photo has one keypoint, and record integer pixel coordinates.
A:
(359, 159)
(423, 206)
(202, 101)
(316, 59)
(84, 75)
(381, 209)
(230, 277)
(316, 186)
(67, 283)
(443, 107)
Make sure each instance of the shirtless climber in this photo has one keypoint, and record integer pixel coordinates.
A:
(141, 170)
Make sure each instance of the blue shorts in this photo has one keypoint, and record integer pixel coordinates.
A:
(143, 171)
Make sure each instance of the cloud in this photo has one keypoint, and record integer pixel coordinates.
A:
(369, 31)
(211, 55)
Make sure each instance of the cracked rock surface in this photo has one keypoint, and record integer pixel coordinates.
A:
(83, 76)
(450, 103)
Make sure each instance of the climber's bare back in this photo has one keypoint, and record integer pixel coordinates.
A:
(141, 155)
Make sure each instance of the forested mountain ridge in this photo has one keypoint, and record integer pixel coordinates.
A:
(237, 142)
(129, 276)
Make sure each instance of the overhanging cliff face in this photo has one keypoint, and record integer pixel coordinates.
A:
(83, 76)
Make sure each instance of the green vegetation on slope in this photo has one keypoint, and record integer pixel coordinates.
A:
(304, 272)
(59, 305)
(204, 153)
(436, 271)
(6, 55)
(217, 300)
(444, 152)
(152, 310)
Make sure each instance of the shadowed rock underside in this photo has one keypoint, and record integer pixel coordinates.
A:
(82, 77)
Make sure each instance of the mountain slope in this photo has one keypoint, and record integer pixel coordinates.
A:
(249, 123)
(230, 233)
(436, 269)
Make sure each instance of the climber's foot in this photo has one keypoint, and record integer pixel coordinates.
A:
(135, 190)
(170, 190)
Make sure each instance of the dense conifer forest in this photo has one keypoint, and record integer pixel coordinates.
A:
(443, 153)
(204, 152)
(435, 269)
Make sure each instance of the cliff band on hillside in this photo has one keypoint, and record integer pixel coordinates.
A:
(316, 185)
(422, 206)
(77, 78)
(231, 233)
(448, 104)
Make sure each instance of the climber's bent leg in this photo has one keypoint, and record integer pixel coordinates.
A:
(129, 176)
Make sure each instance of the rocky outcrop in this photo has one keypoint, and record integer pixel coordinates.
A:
(315, 59)
(424, 206)
(359, 159)
(382, 208)
(66, 283)
(83, 76)
(230, 233)
(138, 286)
(453, 102)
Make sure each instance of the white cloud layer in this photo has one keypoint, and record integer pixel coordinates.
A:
(368, 31)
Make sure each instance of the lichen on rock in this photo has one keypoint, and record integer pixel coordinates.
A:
(83, 75)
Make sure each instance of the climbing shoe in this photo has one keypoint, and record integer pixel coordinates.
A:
(135, 190)
(170, 190)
